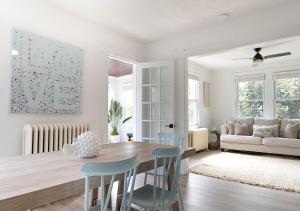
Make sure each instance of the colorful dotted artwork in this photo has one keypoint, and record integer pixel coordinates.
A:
(46, 75)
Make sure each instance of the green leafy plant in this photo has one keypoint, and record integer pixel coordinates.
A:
(115, 114)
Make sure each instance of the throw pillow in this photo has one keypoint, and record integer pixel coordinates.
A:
(284, 123)
(224, 129)
(265, 131)
(268, 122)
(291, 131)
(248, 120)
(230, 125)
(275, 129)
(241, 129)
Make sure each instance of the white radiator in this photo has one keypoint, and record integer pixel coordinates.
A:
(48, 137)
(198, 138)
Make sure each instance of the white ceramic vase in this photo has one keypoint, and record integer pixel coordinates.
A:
(115, 139)
(87, 145)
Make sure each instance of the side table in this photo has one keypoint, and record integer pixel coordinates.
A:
(214, 145)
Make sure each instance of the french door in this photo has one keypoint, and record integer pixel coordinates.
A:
(155, 99)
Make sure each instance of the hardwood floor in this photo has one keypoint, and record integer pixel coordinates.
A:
(205, 193)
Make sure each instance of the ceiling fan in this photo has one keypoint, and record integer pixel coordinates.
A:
(258, 58)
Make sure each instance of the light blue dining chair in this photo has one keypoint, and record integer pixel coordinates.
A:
(156, 197)
(105, 169)
(175, 139)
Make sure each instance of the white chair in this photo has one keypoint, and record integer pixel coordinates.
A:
(104, 169)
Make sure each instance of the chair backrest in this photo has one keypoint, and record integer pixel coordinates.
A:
(105, 169)
(171, 158)
(176, 139)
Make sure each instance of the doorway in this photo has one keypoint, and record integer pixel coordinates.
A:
(121, 100)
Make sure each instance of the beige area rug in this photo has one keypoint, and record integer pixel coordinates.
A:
(262, 170)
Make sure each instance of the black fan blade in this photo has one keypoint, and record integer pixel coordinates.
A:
(277, 55)
(242, 59)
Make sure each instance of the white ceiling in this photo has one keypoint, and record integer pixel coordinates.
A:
(150, 20)
(223, 61)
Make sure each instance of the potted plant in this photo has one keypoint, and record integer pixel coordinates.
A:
(115, 114)
(129, 136)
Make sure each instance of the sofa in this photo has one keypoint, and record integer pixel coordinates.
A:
(276, 137)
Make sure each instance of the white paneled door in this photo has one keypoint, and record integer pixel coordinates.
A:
(155, 99)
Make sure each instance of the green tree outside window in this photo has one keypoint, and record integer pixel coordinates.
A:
(250, 98)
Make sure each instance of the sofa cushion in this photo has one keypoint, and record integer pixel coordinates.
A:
(242, 129)
(241, 139)
(291, 131)
(248, 120)
(284, 122)
(268, 122)
(281, 142)
(230, 126)
(224, 129)
(265, 131)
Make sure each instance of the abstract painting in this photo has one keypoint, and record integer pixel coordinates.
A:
(46, 75)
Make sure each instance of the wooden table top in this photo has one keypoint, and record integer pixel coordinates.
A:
(29, 181)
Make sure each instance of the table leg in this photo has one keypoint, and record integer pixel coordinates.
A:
(170, 181)
(94, 197)
(120, 191)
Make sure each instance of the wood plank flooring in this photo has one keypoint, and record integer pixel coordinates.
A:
(205, 193)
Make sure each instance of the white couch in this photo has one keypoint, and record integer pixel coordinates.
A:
(276, 145)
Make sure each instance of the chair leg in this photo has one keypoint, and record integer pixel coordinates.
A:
(158, 179)
(145, 179)
(86, 197)
(180, 198)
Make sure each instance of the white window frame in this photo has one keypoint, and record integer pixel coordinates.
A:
(248, 78)
(282, 75)
(196, 78)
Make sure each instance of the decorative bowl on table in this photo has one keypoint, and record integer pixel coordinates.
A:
(87, 145)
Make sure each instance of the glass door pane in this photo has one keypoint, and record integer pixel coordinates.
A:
(155, 75)
(155, 129)
(146, 76)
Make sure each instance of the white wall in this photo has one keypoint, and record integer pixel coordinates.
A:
(96, 43)
(223, 97)
(203, 75)
(274, 23)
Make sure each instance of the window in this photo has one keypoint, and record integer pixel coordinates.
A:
(250, 96)
(287, 96)
(193, 101)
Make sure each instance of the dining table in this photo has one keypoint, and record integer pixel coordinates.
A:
(31, 181)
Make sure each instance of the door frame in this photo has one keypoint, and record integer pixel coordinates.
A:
(186, 101)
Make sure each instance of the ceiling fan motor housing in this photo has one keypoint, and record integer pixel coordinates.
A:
(258, 56)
